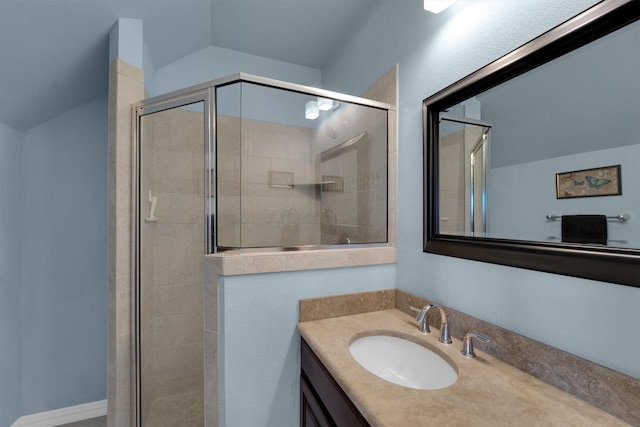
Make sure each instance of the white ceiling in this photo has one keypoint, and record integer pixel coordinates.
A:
(54, 53)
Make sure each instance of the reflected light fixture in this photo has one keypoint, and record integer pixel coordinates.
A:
(311, 111)
(325, 104)
(437, 6)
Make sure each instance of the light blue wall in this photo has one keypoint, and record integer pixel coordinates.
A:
(214, 62)
(10, 244)
(126, 42)
(259, 103)
(597, 321)
(64, 261)
(149, 71)
(259, 343)
(535, 197)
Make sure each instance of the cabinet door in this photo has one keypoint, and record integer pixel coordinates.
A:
(329, 397)
(312, 414)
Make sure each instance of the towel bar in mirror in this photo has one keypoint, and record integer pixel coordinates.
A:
(494, 142)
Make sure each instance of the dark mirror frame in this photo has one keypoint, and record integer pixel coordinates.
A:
(608, 264)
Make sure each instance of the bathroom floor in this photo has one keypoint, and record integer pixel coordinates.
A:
(179, 410)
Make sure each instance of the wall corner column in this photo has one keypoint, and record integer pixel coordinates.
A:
(126, 85)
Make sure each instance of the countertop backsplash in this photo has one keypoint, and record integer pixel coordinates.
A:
(609, 390)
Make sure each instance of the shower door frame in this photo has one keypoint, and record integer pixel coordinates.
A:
(206, 92)
(483, 145)
(139, 110)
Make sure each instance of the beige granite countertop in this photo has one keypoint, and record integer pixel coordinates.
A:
(488, 392)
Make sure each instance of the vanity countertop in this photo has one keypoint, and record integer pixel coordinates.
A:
(488, 392)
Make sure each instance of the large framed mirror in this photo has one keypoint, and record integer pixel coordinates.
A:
(525, 159)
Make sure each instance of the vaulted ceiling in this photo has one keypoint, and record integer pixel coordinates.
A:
(54, 53)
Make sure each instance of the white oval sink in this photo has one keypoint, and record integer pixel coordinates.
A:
(403, 362)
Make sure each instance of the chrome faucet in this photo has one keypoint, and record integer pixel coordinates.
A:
(445, 337)
(467, 343)
(422, 318)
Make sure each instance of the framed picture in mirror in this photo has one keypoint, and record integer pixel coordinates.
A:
(564, 101)
(604, 181)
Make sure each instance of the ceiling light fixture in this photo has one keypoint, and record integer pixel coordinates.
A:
(311, 111)
(325, 104)
(437, 6)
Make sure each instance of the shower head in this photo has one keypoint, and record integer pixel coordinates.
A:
(331, 131)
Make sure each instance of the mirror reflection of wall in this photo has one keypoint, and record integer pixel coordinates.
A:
(552, 120)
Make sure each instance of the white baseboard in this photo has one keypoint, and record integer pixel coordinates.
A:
(61, 416)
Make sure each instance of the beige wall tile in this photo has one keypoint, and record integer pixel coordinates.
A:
(180, 208)
(123, 305)
(177, 330)
(172, 299)
(112, 395)
(123, 359)
(123, 404)
(261, 263)
(170, 362)
(125, 86)
(197, 355)
(174, 171)
(211, 394)
(185, 268)
(146, 347)
(122, 245)
(210, 293)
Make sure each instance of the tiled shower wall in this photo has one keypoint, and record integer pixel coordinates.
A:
(126, 85)
(269, 182)
(356, 206)
(228, 133)
(172, 254)
(455, 178)
(258, 160)
(452, 183)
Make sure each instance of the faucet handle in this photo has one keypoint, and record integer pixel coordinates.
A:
(467, 343)
(422, 317)
(420, 313)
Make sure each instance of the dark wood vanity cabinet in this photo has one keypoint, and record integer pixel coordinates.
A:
(322, 402)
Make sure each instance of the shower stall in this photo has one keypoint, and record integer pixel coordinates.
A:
(242, 163)
(464, 154)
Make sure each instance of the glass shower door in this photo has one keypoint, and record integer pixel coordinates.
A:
(464, 159)
(479, 165)
(171, 248)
